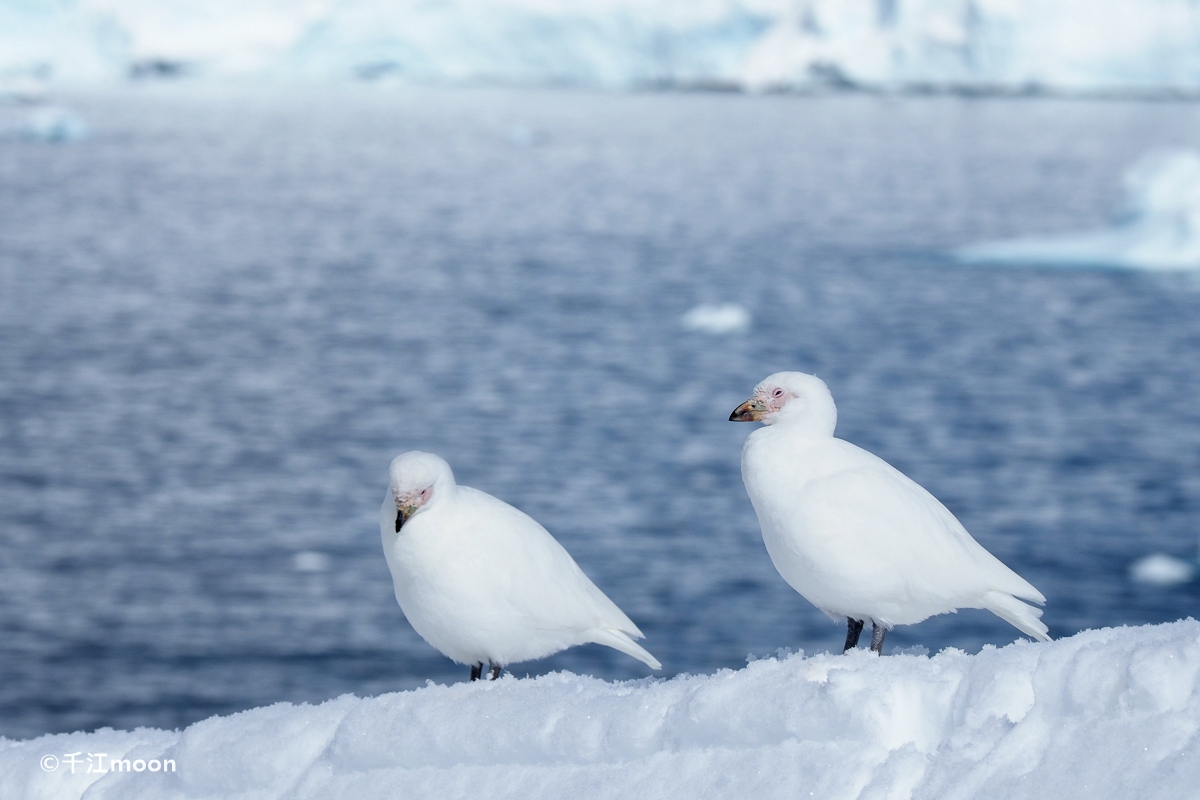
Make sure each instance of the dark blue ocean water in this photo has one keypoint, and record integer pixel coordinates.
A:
(224, 313)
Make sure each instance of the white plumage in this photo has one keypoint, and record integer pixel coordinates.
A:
(483, 582)
(855, 536)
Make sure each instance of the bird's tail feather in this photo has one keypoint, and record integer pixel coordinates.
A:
(1024, 618)
(618, 640)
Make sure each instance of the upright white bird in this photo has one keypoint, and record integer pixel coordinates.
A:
(483, 582)
(855, 536)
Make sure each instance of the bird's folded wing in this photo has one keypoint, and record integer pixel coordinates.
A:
(540, 579)
(876, 509)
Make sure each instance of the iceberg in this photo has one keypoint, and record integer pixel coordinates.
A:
(1088, 46)
(1110, 713)
(1157, 228)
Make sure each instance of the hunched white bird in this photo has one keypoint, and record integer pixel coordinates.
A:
(483, 582)
(855, 536)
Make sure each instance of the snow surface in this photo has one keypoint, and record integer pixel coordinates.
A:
(1109, 713)
(1158, 226)
(1014, 45)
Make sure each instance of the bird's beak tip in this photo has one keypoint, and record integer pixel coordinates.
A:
(746, 412)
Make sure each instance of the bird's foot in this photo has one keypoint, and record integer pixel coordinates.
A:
(495, 669)
(877, 634)
(853, 629)
(476, 671)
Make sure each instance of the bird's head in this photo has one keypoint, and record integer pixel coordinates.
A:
(416, 481)
(793, 398)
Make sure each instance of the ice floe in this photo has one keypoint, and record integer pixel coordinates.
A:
(1157, 227)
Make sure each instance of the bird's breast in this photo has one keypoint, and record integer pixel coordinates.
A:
(785, 481)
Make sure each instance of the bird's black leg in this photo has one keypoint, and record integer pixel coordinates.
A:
(476, 671)
(877, 634)
(853, 629)
(495, 669)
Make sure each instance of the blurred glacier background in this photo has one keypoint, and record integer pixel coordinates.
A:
(1020, 46)
(250, 251)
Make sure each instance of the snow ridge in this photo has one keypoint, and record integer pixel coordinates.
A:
(1110, 713)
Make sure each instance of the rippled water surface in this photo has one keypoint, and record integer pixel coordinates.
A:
(223, 313)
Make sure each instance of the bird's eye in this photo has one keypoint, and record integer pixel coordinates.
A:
(777, 393)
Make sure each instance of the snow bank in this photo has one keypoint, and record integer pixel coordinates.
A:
(1105, 714)
(1158, 226)
(1014, 45)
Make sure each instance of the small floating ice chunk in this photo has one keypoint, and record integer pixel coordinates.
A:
(724, 318)
(53, 124)
(310, 561)
(22, 89)
(1160, 569)
(1157, 227)
(520, 135)
(524, 136)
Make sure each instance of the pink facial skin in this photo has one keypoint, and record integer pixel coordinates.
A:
(773, 398)
(408, 503)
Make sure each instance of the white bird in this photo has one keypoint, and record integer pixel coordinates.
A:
(855, 536)
(483, 582)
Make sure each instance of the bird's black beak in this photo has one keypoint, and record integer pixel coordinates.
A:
(400, 518)
(749, 411)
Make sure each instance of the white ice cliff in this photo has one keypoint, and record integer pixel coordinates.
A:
(1006, 45)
